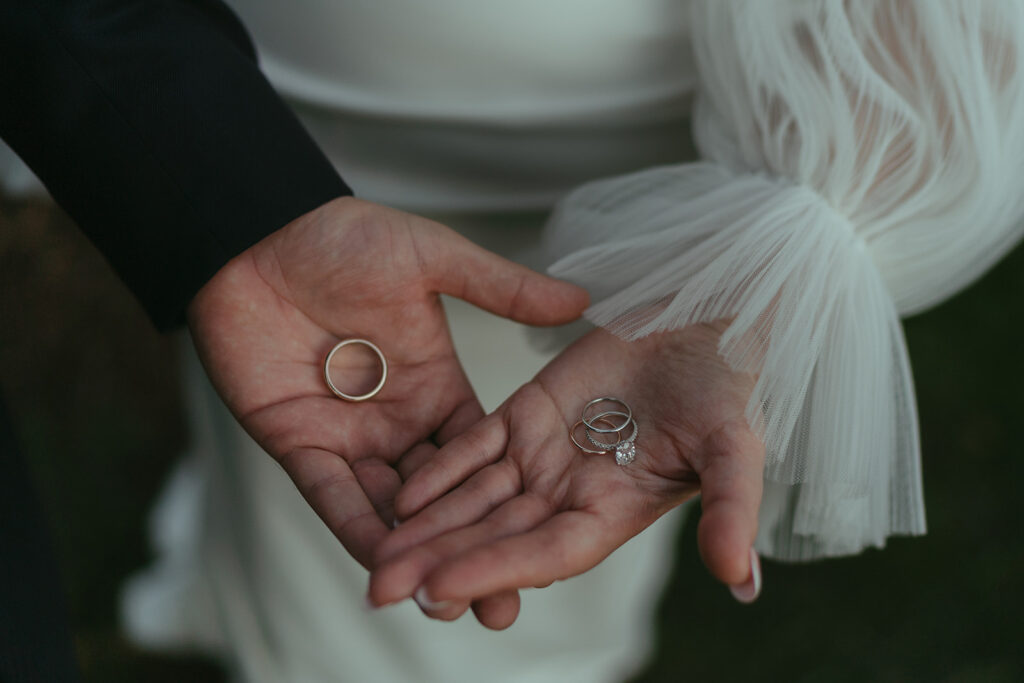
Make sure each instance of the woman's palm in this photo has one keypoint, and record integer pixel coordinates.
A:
(527, 507)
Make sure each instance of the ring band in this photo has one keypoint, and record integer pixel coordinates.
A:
(603, 417)
(572, 436)
(589, 422)
(349, 397)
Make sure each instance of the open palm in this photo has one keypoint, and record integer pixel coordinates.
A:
(265, 323)
(524, 507)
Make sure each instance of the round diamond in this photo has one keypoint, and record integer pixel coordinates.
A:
(625, 453)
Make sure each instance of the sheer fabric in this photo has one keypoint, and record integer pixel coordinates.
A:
(862, 161)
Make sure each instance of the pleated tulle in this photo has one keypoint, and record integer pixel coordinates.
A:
(863, 160)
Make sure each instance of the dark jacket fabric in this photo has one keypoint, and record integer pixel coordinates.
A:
(150, 123)
(152, 126)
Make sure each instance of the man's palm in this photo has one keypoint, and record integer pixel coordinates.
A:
(265, 323)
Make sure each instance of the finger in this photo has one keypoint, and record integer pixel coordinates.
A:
(380, 482)
(331, 489)
(442, 610)
(417, 456)
(400, 577)
(462, 418)
(496, 612)
(474, 274)
(465, 415)
(499, 611)
(731, 469)
(467, 504)
(459, 459)
(565, 545)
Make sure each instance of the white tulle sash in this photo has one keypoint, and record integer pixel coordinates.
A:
(810, 315)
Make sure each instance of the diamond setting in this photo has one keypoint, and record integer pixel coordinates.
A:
(625, 453)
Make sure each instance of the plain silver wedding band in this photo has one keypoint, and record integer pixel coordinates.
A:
(362, 397)
(589, 421)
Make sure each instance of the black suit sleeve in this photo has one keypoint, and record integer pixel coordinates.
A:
(150, 123)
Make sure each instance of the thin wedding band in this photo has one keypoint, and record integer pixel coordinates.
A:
(603, 417)
(589, 422)
(572, 437)
(383, 367)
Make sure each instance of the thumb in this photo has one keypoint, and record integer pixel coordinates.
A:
(474, 274)
(731, 472)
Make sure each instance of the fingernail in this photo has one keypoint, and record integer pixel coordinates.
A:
(426, 603)
(748, 591)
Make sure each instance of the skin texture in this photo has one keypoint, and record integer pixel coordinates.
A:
(511, 503)
(264, 324)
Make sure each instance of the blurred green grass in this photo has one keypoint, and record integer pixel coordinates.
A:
(95, 395)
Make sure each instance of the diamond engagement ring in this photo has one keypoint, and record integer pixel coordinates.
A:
(383, 370)
(625, 449)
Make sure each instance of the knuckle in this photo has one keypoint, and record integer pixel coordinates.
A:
(517, 303)
(731, 439)
(329, 486)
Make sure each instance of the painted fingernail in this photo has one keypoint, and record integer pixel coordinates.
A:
(426, 603)
(748, 591)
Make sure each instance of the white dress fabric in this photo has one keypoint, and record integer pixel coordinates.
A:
(462, 105)
(17, 179)
(863, 160)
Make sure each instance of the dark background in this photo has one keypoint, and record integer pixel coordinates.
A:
(95, 396)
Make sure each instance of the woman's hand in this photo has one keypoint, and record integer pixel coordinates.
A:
(264, 324)
(525, 507)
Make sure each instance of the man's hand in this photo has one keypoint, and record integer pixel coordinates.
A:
(264, 324)
(525, 507)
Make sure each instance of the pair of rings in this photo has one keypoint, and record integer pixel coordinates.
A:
(601, 425)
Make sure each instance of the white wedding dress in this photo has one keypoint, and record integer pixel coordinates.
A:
(860, 161)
